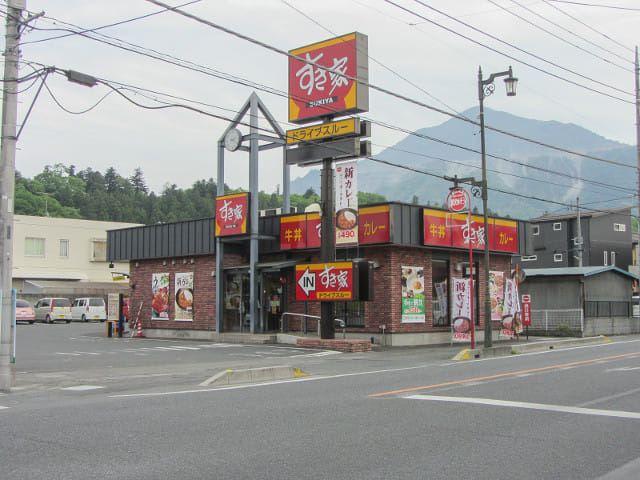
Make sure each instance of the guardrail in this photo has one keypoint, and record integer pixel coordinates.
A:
(339, 323)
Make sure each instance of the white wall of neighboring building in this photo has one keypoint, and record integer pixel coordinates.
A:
(85, 260)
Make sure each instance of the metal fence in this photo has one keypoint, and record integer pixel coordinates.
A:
(555, 322)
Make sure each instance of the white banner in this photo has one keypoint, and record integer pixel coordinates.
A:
(346, 188)
(511, 309)
(461, 310)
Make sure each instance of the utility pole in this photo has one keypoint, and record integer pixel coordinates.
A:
(638, 130)
(7, 187)
(327, 242)
(579, 233)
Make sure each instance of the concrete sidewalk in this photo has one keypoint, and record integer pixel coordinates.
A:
(538, 344)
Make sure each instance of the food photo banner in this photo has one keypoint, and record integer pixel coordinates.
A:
(346, 202)
(446, 229)
(184, 297)
(160, 296)
(413, 305)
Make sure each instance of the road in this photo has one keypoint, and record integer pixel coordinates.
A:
(139, 411)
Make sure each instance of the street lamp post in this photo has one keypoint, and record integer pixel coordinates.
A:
(486, 88)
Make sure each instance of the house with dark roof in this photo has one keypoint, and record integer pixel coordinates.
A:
(586, 238)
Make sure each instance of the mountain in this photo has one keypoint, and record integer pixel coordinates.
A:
(537, 175)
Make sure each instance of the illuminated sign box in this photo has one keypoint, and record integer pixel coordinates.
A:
(232, 213)
(452, 230)
(326, 281)
(329, 78)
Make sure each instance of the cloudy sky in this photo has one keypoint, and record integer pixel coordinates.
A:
(574, 61)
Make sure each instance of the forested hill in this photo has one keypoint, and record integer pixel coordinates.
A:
(60, 191)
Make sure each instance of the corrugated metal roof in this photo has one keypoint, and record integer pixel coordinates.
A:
(583, 213)
(566, 271)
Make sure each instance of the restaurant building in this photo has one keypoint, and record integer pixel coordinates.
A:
(411, 254)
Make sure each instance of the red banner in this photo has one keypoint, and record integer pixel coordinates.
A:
(232, 212)
(374, 225)
(324, 281)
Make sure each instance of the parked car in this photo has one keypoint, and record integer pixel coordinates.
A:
(24, 312)
(49, 310)
(89, 308)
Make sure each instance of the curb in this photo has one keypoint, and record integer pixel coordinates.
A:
(253, 375)
(519, 348)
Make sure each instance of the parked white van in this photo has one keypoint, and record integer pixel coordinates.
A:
(90, 308)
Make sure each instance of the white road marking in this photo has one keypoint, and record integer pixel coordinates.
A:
(622, 369)
(3, 408)
(67, 353)
(609, 397)
(181, 347)
(533, 406)
(82, 388)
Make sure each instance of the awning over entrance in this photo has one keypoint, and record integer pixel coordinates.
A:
(266, 267)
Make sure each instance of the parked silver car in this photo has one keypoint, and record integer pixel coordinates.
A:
(49, 310)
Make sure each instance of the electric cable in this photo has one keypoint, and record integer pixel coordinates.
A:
(549, 32)
(587, 26)
(559, 77)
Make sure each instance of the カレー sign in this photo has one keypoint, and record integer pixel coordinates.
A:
(325, 281)
(232, 214)
(329, 78)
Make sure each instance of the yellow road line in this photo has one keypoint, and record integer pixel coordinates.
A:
(499, 375)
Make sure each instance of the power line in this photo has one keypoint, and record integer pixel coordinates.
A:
(626, 47)
(245, 82)
(383, 90)
(563, 39)
(559, 77)
(192, 66)
(596, 5)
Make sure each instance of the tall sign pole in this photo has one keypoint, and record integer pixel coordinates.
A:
(7, 174)
(328, 80)
(638, 127)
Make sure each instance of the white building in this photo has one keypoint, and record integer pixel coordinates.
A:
(64, 257)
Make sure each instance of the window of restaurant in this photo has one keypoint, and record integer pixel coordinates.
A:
(440, 293)
(351, 312)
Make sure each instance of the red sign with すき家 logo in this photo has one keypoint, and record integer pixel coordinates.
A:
(232, 212)
(321, 78)
(324, 281)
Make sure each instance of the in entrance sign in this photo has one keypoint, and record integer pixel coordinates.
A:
(457, 200)
(325, 281)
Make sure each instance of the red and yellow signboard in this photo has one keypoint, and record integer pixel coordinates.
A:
(321, 78)
(325, 281)
(445, 229)
(232, 212)
(300, 231)
(374, 225)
